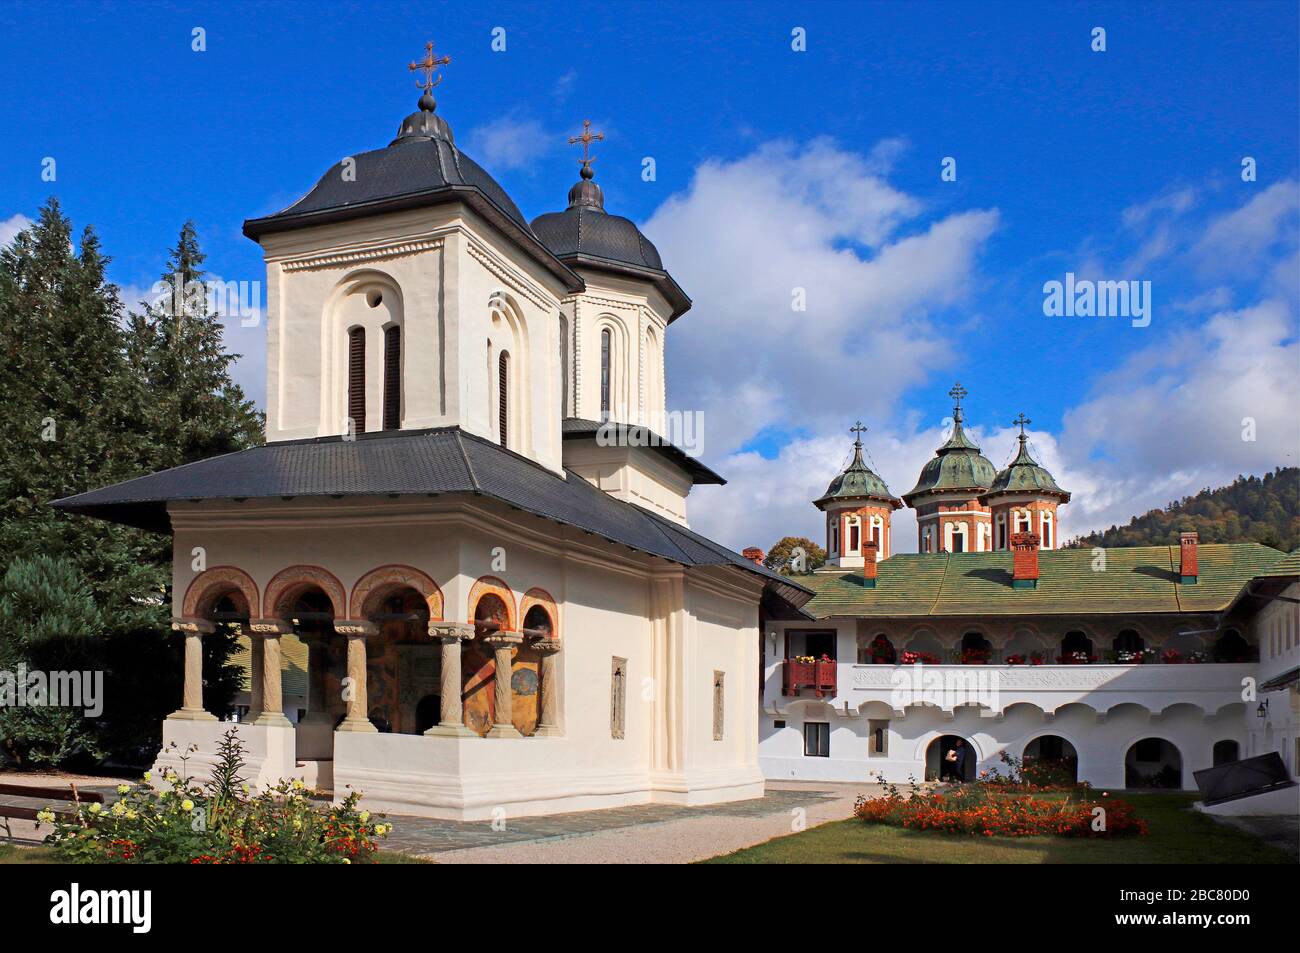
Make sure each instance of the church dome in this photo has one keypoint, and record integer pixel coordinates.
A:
(1025, 475)
(421, 163)
(584, 234)
(957, 466)
(858, 482)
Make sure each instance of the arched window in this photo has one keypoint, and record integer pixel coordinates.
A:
(357, 379)
(958, 539)
(1002, 531)
(1047, 531)
(1128, 641)
(855, 539)
(606, 346)
(834, 533)
(503, 397)
(393, 377)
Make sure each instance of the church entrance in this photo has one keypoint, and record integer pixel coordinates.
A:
(938, 768)
(402, 664)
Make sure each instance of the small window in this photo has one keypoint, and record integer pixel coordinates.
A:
(618, 698)
(854, 543)
(392, 377)
(778, 723)
(357, 380)
(959, 541)
(719, 701)
(503, 398)
(878, 743)
(606, 346)
(816, 739)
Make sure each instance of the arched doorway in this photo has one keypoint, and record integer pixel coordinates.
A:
(1051, 759)
(401, 661)
(1128, 642)
(975, 649)
(1226, 751)
(311, 611)
(938, 768)
(1153, 763)
(478, 664)
(1076, 647)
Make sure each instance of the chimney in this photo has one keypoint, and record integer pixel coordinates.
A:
(1024, 560)
(1187, 545)
(869, 551)
(753, 554)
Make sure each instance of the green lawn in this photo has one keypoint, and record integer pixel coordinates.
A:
(1178, 835)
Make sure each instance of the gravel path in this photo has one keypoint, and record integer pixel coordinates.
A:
(669, 842)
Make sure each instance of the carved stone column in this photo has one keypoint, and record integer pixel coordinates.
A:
(192, 700)
(271, 709)
(255, 688)
(356, 632)
(451, 634)
(503, 644)
(548, 720)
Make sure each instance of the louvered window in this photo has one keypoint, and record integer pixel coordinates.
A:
(357, 379)
(392, 378)
(503, 396)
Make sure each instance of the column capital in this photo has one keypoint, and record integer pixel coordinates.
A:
(451, 631)
(503, 638)
(355, 627)
(546, 646)
(193, 626)
(271, 627)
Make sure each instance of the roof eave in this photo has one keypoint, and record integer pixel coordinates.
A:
(472, 196)
(664, 283)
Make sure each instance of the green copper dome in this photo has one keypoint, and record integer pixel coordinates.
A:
(1024, 475)
(957, 465)
(858, 481)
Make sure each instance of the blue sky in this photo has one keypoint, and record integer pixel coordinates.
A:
(1121, 165)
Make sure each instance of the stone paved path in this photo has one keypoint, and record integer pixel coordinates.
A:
(648, 833)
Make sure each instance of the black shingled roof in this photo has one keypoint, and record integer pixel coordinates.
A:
(412, 463)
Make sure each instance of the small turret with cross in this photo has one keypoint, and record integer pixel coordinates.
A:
(1022, 422)
(429, 66)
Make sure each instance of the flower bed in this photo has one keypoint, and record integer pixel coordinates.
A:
(1004, 805)
(219, 822)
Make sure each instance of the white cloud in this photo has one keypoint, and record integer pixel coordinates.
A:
(510, 143)
(11, 226)
(1236, 240)
(747, 233)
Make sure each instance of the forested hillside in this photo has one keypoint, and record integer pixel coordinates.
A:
(1252, 509)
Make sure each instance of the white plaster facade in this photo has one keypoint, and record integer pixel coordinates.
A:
(1101, 710)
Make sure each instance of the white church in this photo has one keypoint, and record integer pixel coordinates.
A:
(462, 567)
(499, 601)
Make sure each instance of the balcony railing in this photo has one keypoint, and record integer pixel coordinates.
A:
(820, 677)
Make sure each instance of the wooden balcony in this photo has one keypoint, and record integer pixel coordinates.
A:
(818, 677)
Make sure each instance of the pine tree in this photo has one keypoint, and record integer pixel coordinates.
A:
(177, 343)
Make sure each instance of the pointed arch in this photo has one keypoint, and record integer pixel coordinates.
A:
(209, 586)
(289, 583)
(379, 582)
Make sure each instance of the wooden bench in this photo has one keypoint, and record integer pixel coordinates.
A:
(22, 813)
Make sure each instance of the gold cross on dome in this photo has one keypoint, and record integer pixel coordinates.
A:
(858, 430)
(1023, 422)
(430, 66)
(587, 138)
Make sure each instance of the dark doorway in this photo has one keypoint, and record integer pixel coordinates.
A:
(428, 712)
(938, 768)
(819, 644)
(1226, 751)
